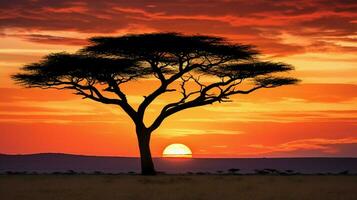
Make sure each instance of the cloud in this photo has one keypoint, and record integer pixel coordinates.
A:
(49, 39)
(14, 95)
(33, 121)
(32, 106)
(322, 145)
(264, 23)
(179, 132)
(304, 103)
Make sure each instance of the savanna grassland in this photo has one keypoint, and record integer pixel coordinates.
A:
(205, 187)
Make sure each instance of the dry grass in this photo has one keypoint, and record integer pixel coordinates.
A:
(185, 187)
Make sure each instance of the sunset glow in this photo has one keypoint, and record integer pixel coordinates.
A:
(177, 151)
(315, 118)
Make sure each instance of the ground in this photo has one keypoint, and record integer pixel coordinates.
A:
(180, 187)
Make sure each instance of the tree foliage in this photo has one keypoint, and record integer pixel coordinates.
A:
(200, 69)
(169, 57)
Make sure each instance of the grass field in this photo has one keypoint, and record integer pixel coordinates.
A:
(180, 187)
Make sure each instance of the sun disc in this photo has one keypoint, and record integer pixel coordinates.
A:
(177, 151)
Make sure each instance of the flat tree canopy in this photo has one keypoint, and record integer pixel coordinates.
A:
(207, 69)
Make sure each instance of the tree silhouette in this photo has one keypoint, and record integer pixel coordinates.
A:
(202, 70)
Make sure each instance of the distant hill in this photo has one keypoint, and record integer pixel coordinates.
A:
(53, 162)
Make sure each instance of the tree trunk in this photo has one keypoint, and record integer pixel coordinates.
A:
(147, 165)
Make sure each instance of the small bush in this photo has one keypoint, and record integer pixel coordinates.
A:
(233, 170)
(70, 172)
(346, 172)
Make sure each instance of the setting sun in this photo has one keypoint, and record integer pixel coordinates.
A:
(177, 151)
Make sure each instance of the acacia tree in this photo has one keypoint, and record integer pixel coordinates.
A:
(202, 70)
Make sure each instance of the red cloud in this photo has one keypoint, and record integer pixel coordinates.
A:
(314, 146)
(259, 22)
(48, 39)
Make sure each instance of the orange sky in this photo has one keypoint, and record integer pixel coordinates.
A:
(315, 118)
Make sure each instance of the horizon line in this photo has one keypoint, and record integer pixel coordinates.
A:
(163, 157)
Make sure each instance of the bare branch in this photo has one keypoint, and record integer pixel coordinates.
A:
(109, 62)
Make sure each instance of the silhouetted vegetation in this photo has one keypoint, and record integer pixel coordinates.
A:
(346, 172)
(99, 71)
(261, 172)
(16, 173)
(233, 170)
(70, 172)
(269, 171)
(98, 172)
(202, 173)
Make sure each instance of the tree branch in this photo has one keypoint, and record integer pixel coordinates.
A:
(201, 100)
